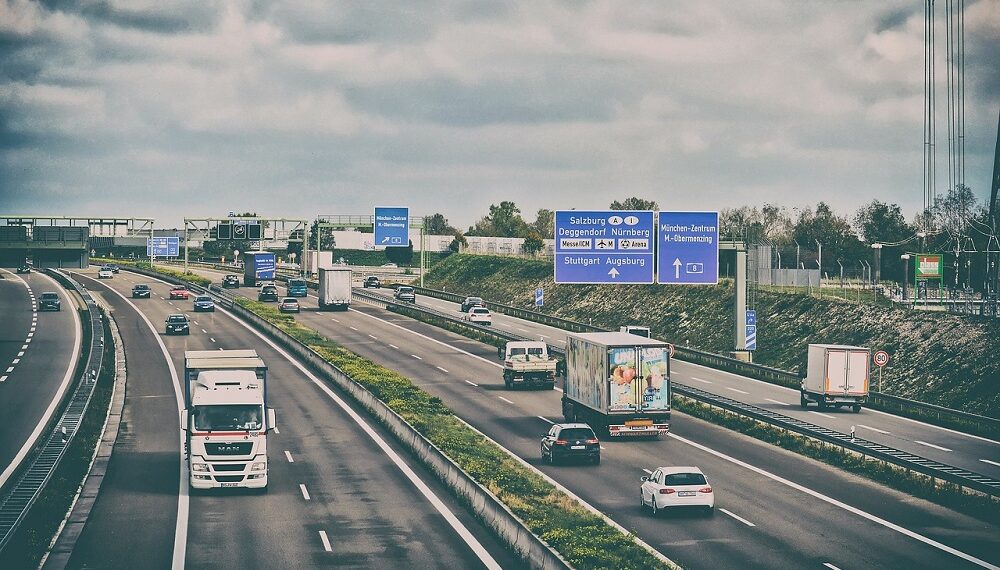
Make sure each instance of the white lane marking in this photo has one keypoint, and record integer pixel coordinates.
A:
(647, 471)
(20, 354)
(701, 380)
(442, 369)
(183, 499)
(737, 517)
(777, 402)
(542, 336)
(894, 416)
(931, 445)
(822, 414)
(288, 454)
(334, 320)
(736, 390)
(195, 322)
(9, 370)
(393, 346)
(211, 339)
(352, 328)
(204, 331)
(275, 429)
(471, 383)
(882, 431)
(27, 340)
(4, 379)
(373, 337)
(830, 566)
(505, 399)
(326, 541)
(836, 503)
(520, 329)
(31, 334)
(305, 493)
(15, 361)
(545, 419)
(990, 462)
(25, 347)
(417, 357)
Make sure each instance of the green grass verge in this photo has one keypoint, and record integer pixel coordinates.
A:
(584, 539)
(159, 268)
(31, 541)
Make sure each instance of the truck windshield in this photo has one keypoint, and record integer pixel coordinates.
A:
(228, 417)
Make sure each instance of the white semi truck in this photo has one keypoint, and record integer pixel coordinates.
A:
(837, 376)
(335, 288)
(618, 382)
(226, 418)
(528, 363)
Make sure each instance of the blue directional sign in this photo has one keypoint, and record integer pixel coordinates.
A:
(163, 246)
(392, 227)
(604, 246)
(688, 248)
(539, 297)
(751, 330)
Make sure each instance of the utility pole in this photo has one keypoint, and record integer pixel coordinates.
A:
(906, 273)
(878, 262)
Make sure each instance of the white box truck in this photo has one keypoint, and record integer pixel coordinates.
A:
(618, 383)
(836, 375)
(528, 363)
(226, 419)
(335, 288)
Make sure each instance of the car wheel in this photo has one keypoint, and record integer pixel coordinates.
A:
(642, 502)
(596, 460)
(856, 409)
(709, 511)
(655, 511)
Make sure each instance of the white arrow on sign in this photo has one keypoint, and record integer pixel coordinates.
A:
(613, 273)
(677, 268)
(385, 239)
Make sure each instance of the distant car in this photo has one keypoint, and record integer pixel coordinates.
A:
(231, 282)
(180, 292)
(24, 268)
(372, 282)
(479, 315)
(49, 302)
(470, 302)
(204, 303)
(565, 441)
(268, 293)
(669, 487)
(140, 291)
(297, 288)
(405, 294)
(105, 273)
(178, 324)
(289, 305)
(114, 268)
(389, 265)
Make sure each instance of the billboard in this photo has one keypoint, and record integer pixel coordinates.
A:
(928, 267)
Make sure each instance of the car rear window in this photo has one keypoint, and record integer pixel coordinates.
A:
(576, 433)
(686, 479)
(203, 298)
(405, 290)
(178, 319)
(269, 289)
(50, 296)
(297, 283)
(141, 287)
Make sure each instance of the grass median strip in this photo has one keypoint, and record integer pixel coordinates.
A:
(584, 539)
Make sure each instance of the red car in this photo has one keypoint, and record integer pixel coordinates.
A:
(179, 293)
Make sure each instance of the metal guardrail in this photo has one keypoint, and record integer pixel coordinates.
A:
(876, 400)
(29, 486)
(903, 459)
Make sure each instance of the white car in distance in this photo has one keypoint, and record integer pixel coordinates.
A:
(479, 315)
(105, 274)
(669, 487)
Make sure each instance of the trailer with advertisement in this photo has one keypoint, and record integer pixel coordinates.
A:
(617, 382)
(258, 266)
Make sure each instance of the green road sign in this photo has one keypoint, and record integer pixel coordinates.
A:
(928, 267)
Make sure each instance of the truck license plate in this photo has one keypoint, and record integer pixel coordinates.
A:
(578, 447)
(230, 484)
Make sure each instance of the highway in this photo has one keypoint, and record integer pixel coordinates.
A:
(776, 509)
(340, 494)
(38, 355)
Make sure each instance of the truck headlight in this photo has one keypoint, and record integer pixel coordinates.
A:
(259, 466)
(199, 467)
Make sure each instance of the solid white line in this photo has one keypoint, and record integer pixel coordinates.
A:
(931, 445)
(830, 566)
(737, 517)
(417, 357)
(288, 454)
(441, 369)
(836, 503)
(305, 493)
(777, 402)
(990, 462)
(183, 499)
(736, 390)
(700, 380)
(873, 429)
(545, 419)
(326, 541)
(505, 399)
(822, 414)
(471, 383)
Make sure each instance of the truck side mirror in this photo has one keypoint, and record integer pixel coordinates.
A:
(184, 420)
(271, 424)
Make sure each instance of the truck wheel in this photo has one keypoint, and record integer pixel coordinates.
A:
(550, 386)
(803, 401)
(822, 403)
(856, 408)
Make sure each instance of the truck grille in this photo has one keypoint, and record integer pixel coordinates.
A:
(240, 448)
(230, 467)
(228, 478)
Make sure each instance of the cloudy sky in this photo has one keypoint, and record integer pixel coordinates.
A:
(289, 108)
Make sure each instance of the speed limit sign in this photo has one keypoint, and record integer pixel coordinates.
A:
(881, 358)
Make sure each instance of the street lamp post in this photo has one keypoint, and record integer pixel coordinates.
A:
(878, 262)
(906, 273)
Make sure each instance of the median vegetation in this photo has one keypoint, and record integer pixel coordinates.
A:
(584, 539)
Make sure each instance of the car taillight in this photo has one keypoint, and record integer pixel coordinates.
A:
(560, 442)
(705, 490)
(667, 491)
(594, 440)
